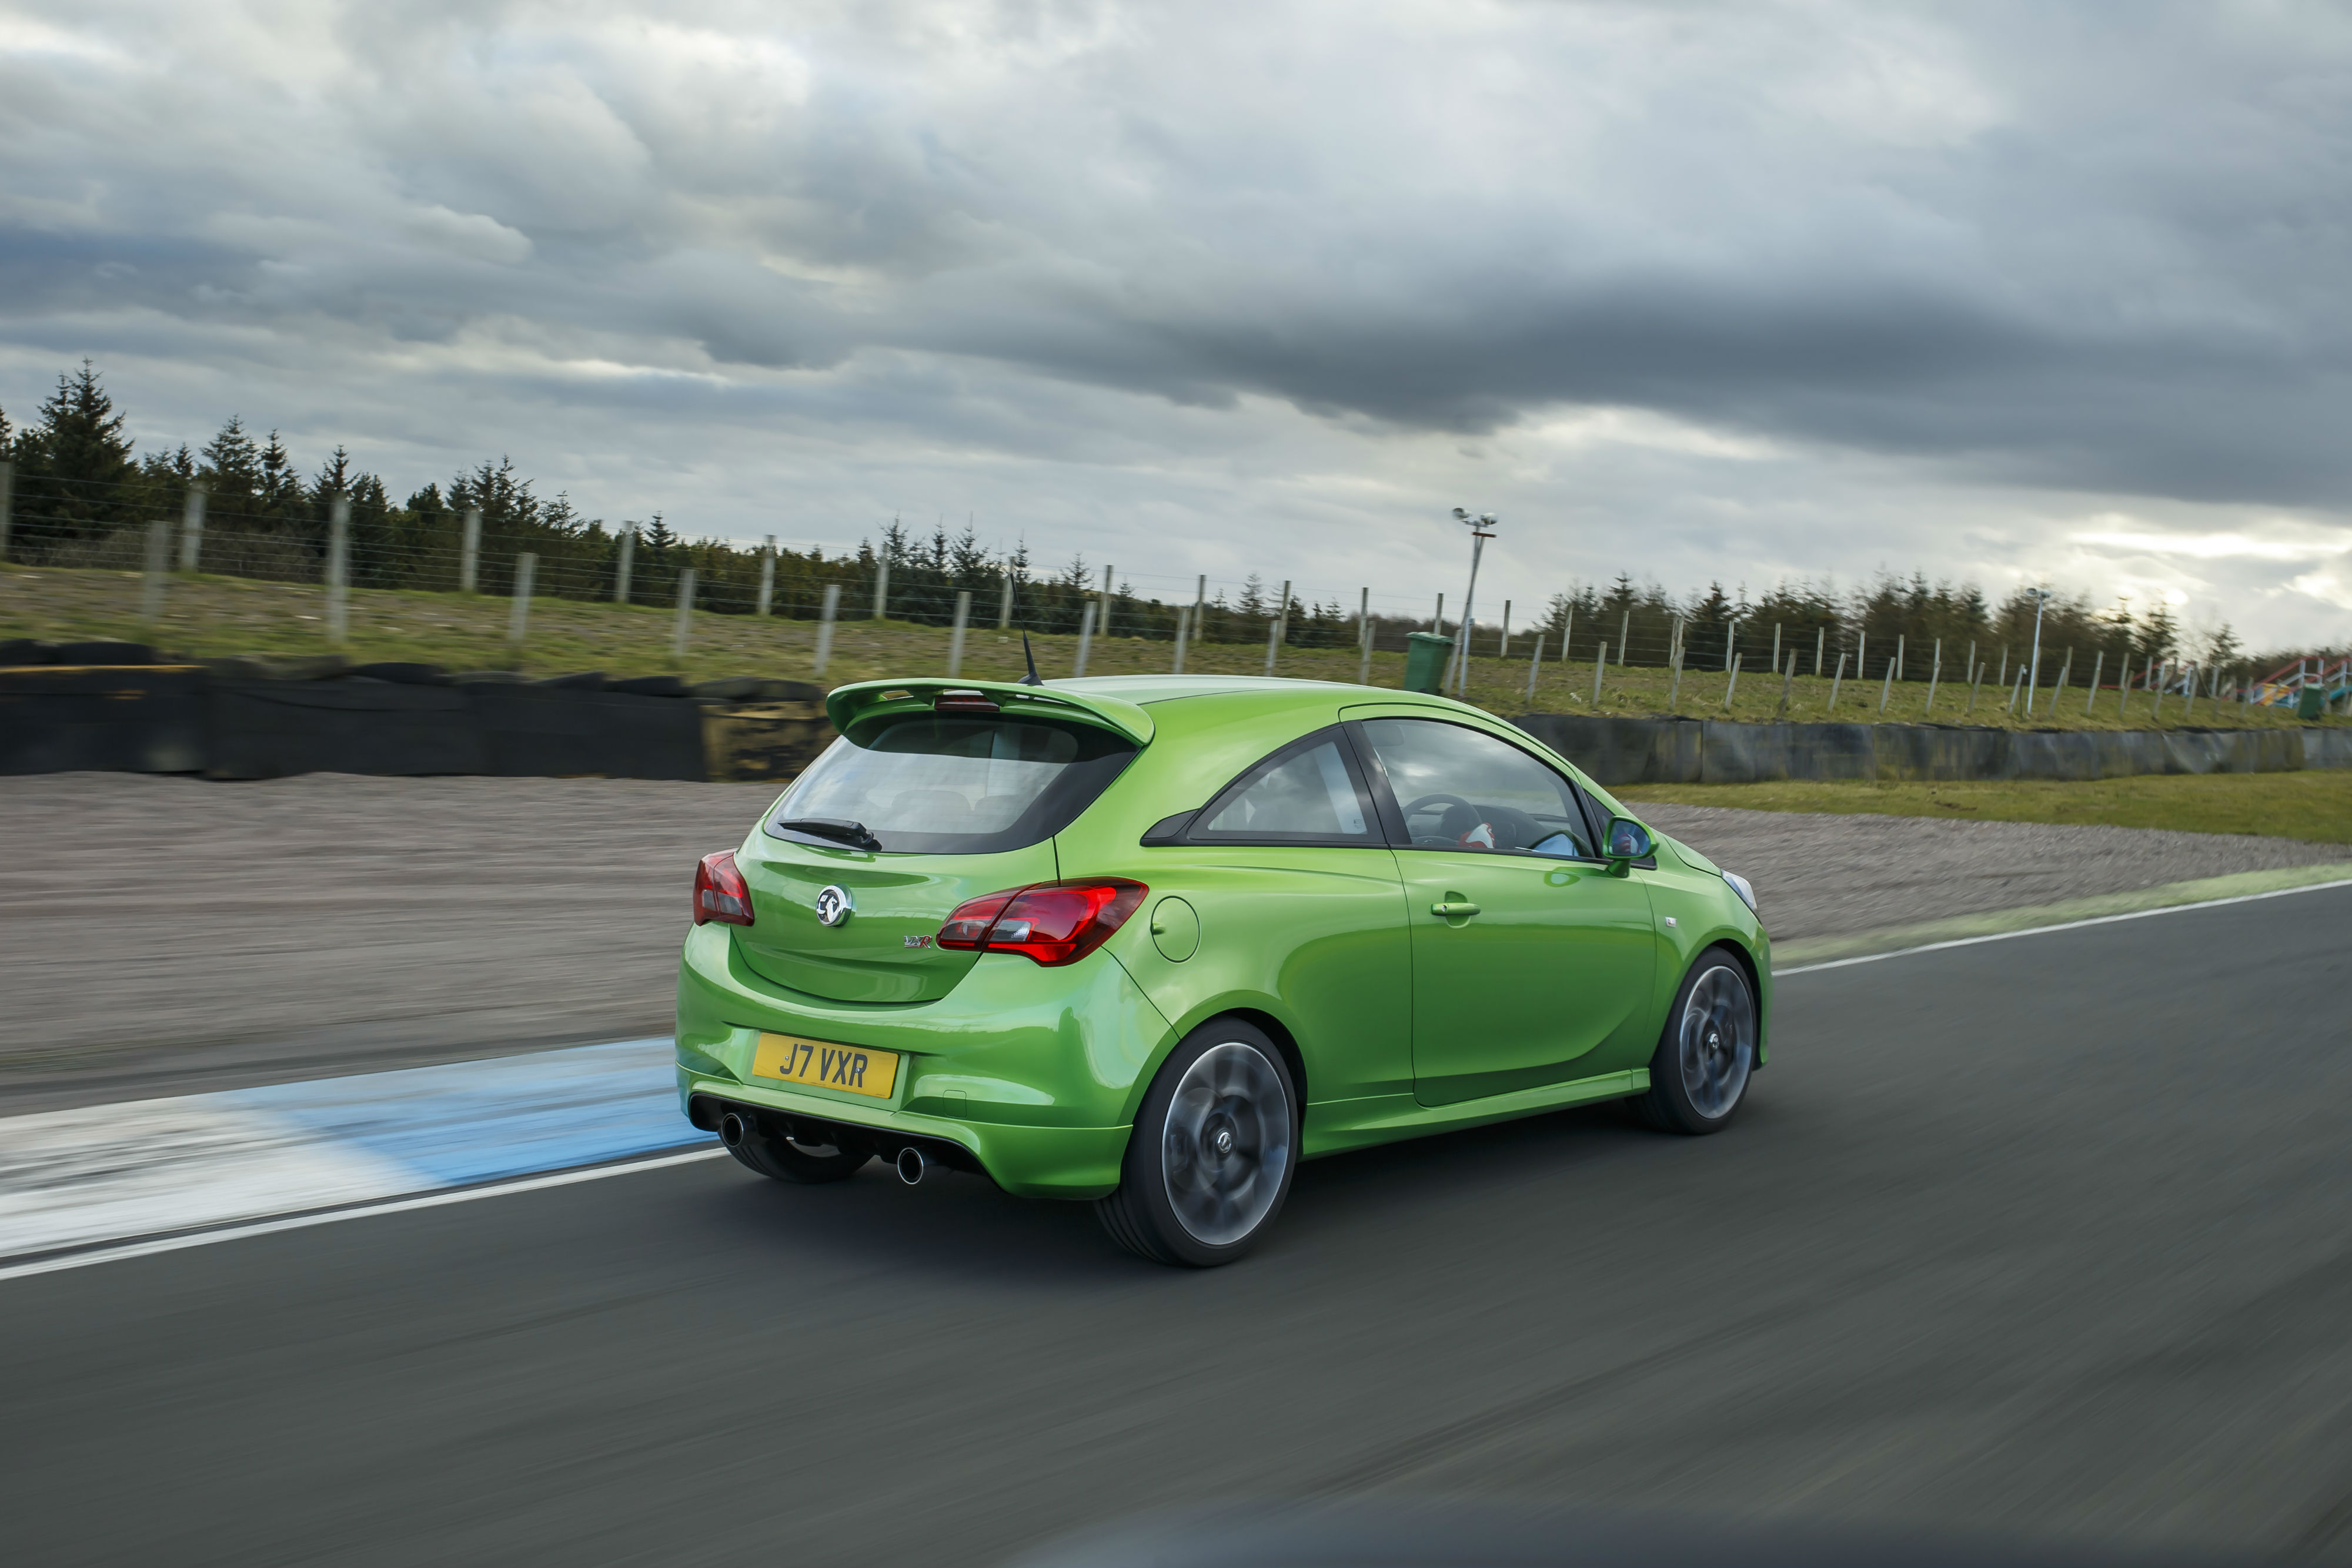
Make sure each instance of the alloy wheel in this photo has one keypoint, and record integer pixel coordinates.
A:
(1718, 1041)
(1227, 1144)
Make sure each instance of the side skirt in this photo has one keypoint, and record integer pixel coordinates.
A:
(1359, 1124)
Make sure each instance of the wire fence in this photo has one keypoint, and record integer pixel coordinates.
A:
(340, 545)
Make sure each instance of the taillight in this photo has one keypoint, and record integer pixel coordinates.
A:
(969, 921)
(1051, 922)
(720, 892)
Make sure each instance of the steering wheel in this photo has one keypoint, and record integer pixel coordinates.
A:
(1441, 801)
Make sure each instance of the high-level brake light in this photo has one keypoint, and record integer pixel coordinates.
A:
(1053, 923)
(720, 892)
(964, 702)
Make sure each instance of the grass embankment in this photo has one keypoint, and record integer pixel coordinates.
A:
(2314, 806)
(211, 617)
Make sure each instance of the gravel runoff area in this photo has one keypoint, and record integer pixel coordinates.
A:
(160, 935)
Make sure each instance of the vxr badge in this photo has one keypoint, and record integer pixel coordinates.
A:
(834, 906)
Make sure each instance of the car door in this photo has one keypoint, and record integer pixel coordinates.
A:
(1527, 956)
(1287, 881)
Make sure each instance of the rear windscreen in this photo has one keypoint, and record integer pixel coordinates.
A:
(956, 786)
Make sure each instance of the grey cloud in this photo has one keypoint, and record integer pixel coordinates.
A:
(2057, 247)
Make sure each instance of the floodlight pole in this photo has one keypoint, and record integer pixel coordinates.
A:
(2041, 597)
(1481, 529)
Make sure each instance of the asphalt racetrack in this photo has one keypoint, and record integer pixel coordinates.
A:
(2050, 1235)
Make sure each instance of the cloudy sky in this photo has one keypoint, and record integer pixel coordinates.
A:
(1744, 291)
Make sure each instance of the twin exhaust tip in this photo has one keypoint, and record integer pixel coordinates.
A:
(736, 1129)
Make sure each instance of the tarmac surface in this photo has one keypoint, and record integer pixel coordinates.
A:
(2046, 1235)
(162, 936)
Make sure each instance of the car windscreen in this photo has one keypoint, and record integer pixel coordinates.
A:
(966, 785)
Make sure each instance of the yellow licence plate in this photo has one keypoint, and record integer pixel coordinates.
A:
(847, 1067)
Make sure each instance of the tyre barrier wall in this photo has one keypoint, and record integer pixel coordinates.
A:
(1713, 751)
(230, 720)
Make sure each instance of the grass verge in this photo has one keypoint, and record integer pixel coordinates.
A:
(208, 617)
(2315, 805)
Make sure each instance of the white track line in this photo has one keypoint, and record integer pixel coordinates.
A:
(2065, 926)
(331, 1216)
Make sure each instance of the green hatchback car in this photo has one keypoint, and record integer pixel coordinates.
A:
(1151, 940)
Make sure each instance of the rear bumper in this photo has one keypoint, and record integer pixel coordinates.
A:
(1034, 1071)
(1034, 1161)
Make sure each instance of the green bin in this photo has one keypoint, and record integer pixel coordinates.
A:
(2309, 702)
(1425, 654)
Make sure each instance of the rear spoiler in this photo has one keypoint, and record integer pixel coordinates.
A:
(871, 700)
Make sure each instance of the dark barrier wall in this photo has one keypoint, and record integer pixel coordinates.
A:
(165, 718)
(1683, 752)
(273, 729)
(531, 731)
(185, 720)
(60, 718)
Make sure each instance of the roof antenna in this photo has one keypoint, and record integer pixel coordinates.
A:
(1030, 679)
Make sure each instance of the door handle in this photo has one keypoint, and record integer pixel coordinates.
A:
(1453, 908)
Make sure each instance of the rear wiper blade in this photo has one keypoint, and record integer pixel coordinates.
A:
(837, 828)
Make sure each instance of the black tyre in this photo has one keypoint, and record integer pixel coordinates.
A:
(1215, 1147)
(760, 1146)
(1698, 1076)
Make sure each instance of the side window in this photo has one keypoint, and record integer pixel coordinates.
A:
(1306, 793)
(1461, 788)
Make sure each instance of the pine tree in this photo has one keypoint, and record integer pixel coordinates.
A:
(335, 476)
(231, 468)
(282, 492)
(79, 450)
(967, 565)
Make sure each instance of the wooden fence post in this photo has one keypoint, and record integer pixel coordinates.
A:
(7, 503)
(622, 569)
(955, 637)
(685, 622)
(339, 569)
(1364, 640)
(1533, 665)
(469, 549)
(1183, 616)
(881, 587)
(1004, 606)
(824, 620)
(192, 530)
(1085, 640)
(767, 577)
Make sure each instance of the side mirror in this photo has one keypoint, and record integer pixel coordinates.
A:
(1626, 841)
